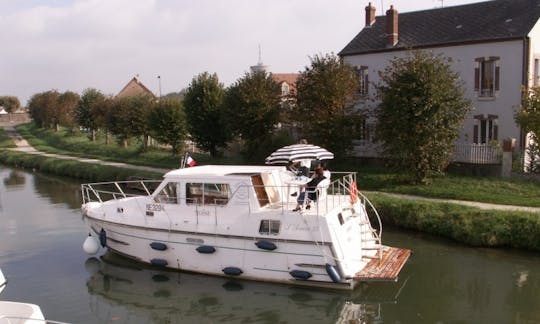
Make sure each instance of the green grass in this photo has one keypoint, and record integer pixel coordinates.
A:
(467, 225)
(77, 144)
(5, 141)
(71, 168)
(471, 188)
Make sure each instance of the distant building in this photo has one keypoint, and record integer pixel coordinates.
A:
(134, 88)
(494, 46)
(287, 82)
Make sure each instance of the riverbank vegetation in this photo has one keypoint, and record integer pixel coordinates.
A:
(469, 225)
(71, 168)
(5, 140)
(481, 189)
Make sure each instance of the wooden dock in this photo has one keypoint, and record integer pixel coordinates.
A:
(387, 268)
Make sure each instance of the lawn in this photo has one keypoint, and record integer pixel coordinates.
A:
(370, 178)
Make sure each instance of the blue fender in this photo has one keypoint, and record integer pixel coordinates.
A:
(103, 238)
(333, 273)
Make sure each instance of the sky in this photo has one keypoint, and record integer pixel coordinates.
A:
(102, 44)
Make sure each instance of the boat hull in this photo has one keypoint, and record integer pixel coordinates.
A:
(222, 255)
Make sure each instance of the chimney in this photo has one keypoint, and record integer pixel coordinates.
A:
(370, 15)
(391, 27)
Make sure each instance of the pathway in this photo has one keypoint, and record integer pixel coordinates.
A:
(24, 146)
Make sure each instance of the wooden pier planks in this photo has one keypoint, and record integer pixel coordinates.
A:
(386, 269)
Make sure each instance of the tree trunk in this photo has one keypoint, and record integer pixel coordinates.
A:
(93, 135)
(106, 137)
(125, 142)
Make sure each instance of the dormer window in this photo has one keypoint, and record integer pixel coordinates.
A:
(486, 76)
(285, 89)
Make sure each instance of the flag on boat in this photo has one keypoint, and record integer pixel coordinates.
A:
(297, 152)
(188, 161)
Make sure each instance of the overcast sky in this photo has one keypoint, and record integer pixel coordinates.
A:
(102, 44)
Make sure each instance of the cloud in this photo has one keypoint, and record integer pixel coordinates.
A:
(76, 44)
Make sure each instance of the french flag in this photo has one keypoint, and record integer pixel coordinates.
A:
(189, 160)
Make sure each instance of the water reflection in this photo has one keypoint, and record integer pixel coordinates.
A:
(59, 190)
(125, 291)
(15, 178)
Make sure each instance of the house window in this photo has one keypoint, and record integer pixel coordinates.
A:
(365, 131)
(207, 193)
(486, 76)
(285, 89)
(363, 80)
(269, 226)
(486, 129)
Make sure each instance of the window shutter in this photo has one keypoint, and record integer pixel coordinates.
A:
(497, 78)
(495, 132)
(476, 79)
(475, 134)
(366, 85)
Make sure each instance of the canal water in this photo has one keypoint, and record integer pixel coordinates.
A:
(41, 233)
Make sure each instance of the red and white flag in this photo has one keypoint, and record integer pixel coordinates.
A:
(189, 160)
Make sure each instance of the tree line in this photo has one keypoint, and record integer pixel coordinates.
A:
(418, 107)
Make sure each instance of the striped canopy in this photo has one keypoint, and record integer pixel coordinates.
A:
(297, 152)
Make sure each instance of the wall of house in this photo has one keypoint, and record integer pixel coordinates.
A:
(504, 103)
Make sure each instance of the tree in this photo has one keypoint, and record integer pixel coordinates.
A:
(128, 117)
(43, 108)
(528, 117)
(65, 112)
(10, 103)
(326, 94)
(251, 108)
(203, 102)
(85, 115)
(168, 123)
(422, 107)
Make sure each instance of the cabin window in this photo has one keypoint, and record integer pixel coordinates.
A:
(168, 194)
(207, 193)
(485, 129)
(269, 226)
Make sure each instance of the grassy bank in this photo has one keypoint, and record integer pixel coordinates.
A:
(77, 144)
(482, 189)
(74, 169)
(5, 141)
(472, 226)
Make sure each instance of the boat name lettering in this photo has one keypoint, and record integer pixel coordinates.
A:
(294, 227)
(203, 212)
(154, 207)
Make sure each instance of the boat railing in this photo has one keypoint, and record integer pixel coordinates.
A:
(103, 191)
(345, 187)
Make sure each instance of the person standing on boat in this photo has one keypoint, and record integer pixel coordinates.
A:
(311, 189)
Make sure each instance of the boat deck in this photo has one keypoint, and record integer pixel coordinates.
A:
(387, 268)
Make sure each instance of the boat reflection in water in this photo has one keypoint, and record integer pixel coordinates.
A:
(124, 291)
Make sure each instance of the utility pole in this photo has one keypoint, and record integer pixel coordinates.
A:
(159, 83)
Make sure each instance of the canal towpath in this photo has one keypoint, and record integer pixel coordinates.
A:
(24, 146)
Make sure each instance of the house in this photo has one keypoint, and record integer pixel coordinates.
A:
(134, 88)
(287, 83)
(494, 46)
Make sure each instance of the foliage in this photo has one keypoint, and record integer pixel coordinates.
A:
(80, 170)
(326, 94)
(203, 102)
(42, 107)
(65, 112)
(251, 109)
(528, 117)
(88, 110)
(128, 117)
(469, 225)
(422, 107)
(168, 123)
(10, 103)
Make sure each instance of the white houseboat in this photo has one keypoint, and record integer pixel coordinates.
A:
(239, 221)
